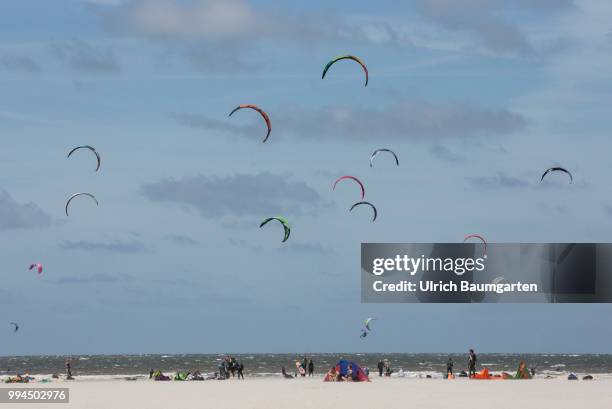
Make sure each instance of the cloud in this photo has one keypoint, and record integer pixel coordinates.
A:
(214, 20)
(489, 21)
(500, 180)
(237, 195)
(115, 246)
(443, 153)
(227, 35)
(217, 19)
(19, 63)
(408, 119)
(180, 240)
(14, 215)
(84, 57)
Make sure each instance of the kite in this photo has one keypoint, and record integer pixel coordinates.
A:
(384, 150)
(261, 112)
(479, 237)
(352, 178)
(15, 325)
(282, 221)
(80, 194)
(37, 266)
(557, 169)
(346, 57)
(91, 148)
(368, 322)
(366, 203)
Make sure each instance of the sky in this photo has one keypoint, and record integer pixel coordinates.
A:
(477, 98)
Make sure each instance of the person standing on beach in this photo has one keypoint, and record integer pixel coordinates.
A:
(381, 367)
(68, 370)
(223, 369)
(232, 365)
(449, 367)
(472, 363)
(310, 367)
(240, 368)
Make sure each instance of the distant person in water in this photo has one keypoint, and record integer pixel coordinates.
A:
(310, 368)
(381, 367)
(449, 367)
(472, 359)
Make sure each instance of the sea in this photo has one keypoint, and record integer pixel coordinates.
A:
(269, 365)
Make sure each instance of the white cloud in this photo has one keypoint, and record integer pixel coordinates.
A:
(210, 18)
(14, 215)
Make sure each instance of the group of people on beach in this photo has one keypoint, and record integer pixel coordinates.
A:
(229, 367)
(21, 378)
(522, 372)
(384, 368)
(305, 367)
(335, 376)
(471, 365)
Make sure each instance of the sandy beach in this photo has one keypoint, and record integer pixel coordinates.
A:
(315, 394)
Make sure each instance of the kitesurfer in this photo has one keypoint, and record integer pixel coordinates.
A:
(472, 359)
(381, 367)
(68, 370)
(232, 365)
(449, 367)
(310, 367)
(239, 369)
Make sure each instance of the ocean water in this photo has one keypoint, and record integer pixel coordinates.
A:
(262, 365)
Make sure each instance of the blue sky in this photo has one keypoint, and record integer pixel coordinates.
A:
(477, 97)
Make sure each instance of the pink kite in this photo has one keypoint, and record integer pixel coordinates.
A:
(352, 178)
(37, 266)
